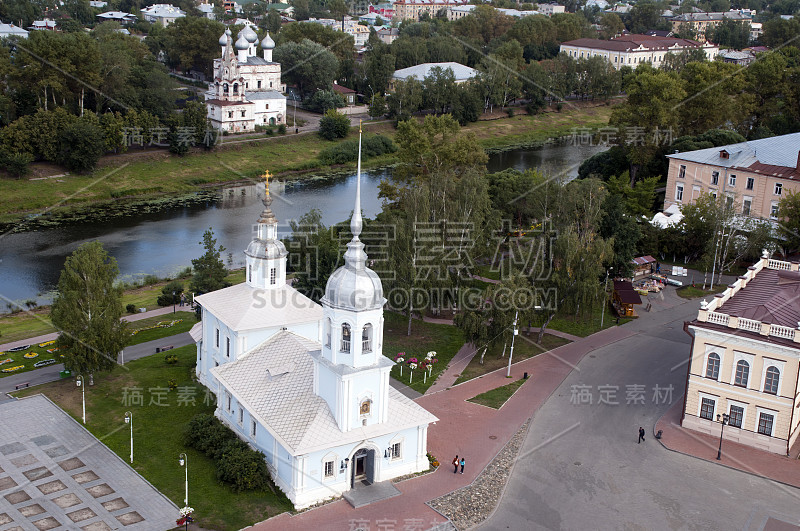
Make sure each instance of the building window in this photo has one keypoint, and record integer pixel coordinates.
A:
(346, 337)
(682, 172)
(328, 332)
(729, 201)
(707, 409)
(366, 338)
(679, 192)
(765, 424)
(228, 402)
(742, 373)
(732, 180)
(778, 188)
(227, 347)
(750, 183)
(712, 367)
(253, 427)
(396, 451)
(746, 206)
(773, 211)
(217, 335)
(249, 273)
(328, 469)
(230, 114)
(273, 273)
(736, 416)
(771, 381)
(715, 178)
(241, 416)
(243, 114)
(259, 83)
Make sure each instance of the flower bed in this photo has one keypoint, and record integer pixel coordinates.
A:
(7, 360)
(160, 324)
(31, 355)
(12, 369)
(47, 343)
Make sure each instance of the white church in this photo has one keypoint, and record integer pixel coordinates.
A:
(305, 384)
(246, 90)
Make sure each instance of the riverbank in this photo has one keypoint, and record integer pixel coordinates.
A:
(128, 183)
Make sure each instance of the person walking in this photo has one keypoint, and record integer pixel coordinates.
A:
(463, 461)
(641, 435)
(455, 464)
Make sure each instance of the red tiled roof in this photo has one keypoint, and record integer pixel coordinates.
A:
(628, 296)
(643, 260)
(630, 42)
(342, 90)
(771, 297)
(768, 169)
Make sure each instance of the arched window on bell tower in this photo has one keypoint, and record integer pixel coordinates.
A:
(346, 338)
(366, 338)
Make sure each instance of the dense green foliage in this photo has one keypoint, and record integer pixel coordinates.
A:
(208, 271)
(347, 151)
(334, 125)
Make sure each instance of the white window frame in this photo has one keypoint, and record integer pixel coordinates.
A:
(772, 413)
(228, 402)
(253, 428)
(778, 364)
(742, 405)
(396, 456)
(747, 202)
(715, 178)
(227, 346)
(679, 193)
(329, 458)
(325, 466)
(713, 398)
(715, 349)
(241, 415)
(774, 210)
(217, 338)
(732, 180)
(273, 275)
(778, 189)
(751, 360)
(682, 171)
(750, 183)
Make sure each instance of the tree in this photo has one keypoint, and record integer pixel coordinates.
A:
(730, 33)
(778, 31)
(377, 107)
(87, 311)
(644, 16)
(789, 227)
(334, 125)
(676, 62)
(80, 146)
(407, 98)
(323, 100)
(710, 104)
(192, 43)
(610, 26)
(209, 271)
(338, 43)
(272, 22)
(314, 253)
(307, 65)
(439, 89)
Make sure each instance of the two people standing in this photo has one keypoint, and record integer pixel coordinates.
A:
(457, 462)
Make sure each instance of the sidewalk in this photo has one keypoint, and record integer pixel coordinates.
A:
(734, 455)
(464, 428)
(128, 318)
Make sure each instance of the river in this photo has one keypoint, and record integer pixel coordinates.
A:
(163, 243)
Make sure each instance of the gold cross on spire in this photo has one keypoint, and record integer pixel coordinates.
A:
(266, 182)
(359, 126)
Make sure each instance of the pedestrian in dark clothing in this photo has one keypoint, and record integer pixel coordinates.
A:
(462, 464)
(455, 465)
(641, 434)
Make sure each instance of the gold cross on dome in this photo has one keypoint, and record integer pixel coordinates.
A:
(266, 181)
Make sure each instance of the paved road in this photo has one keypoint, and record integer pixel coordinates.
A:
(581, 466)
(50, 373)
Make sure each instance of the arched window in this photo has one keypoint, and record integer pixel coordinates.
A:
(742, 373)
(225, 88)
(328, 332)
(236, 88)
(346, 337)
(366, 338)
(250, 273)
(771, 381)
(712, 368)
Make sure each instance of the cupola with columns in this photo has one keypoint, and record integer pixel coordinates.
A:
(265, 257)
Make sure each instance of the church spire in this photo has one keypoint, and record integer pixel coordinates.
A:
(266, 254)
(267, 216)
(355, 257)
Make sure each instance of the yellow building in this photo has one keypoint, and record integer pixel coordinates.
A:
(412, 9)
(753, 175)
(701, 22)
(745, 356)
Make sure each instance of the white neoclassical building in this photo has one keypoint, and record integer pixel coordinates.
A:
(305, 384)
(246, 89)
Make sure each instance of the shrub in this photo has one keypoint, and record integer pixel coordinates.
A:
(282, 129)
(171, 359)
(166, 298)
(243, 468)
(80, 146)
(270, 131)
(334, 125)
(510, 112)
(324, 100)
(347, 151)
(172, 384)
(207, 434)
(130, 308)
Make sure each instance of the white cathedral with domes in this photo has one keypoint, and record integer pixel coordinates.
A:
(305, 384)
(246, 90)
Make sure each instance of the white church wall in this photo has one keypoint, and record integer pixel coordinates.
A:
(365, 387)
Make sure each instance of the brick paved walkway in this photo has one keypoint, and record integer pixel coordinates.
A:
(478, 433)
(734, 455)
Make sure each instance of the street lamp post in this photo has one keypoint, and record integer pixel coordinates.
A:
(294, 120)
(511, 352)
(184, 462)
(129, 420)
(605, 298)
(79, 383)
(724, 421)
(173, 302)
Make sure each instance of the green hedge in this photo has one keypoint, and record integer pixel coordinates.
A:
(347, 151)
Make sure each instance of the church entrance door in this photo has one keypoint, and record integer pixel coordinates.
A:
(360, 466)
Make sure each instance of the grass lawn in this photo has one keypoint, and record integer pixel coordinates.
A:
(14, 327)
(149, 329)
(158, 431)
(692, 292)
(485, 271)
(497, 397)
(494, 358)
(446, 340)
(582, 325)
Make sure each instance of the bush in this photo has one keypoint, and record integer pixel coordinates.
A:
(207, 434)
(324, 100)
(16, 164)
(270, 131)
(347, 151)
(80, 146)
(510, 112)
(282, 129)
(171, 359)
(130, 308)
(334, 125)
(243, 468)
(172, 384)
(166, 298)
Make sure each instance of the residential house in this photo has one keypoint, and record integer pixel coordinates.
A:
(207, 10)
(386, 11)
(634, 49)
(43, 25)
(348, 94)
(753, 175)
(164, 14)
(10, 30)
(117, 16)
(412, 9)
(460, 11)
(388, 35)
(743, 58)
(744, 360)
(701, 22)
(550, 9)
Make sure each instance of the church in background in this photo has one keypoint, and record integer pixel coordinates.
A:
(246, 90)
(308, 384)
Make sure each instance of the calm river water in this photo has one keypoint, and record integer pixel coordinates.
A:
(165, 242)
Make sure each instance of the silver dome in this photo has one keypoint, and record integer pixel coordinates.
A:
(266, 249)
(241, 43)
(268, 43)
(249, 34)
(228, 32)
(223, 41)
(354, 289)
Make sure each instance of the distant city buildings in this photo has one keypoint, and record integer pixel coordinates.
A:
(752, 175)
(412, 9)
(117, 16)
(43, 25)
(632, 50)
(10, 30)
(164, 14)
(701, 22)
(550, 9)
(744, 359)
(207, 10)
(359, 32)
(457, 12)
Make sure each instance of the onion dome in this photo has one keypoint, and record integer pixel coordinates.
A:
(267, 43)
(228, 32)
(223, 41)
(249, 34)
(241, 43)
